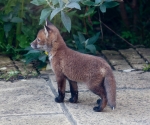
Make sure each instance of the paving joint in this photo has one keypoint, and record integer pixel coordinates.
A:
(64, 108)
(142, 56)
(38, 114)
(125, 59)
(104, 57)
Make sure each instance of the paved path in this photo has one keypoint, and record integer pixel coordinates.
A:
(128, 58)
(31, 102)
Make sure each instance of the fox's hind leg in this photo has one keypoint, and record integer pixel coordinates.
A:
(99, 90)
(61, 82)
(74, 91)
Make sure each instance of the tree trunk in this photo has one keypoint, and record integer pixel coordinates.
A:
(124, 14)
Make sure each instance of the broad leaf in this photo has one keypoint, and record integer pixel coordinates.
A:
(54, 12)
(73, 5)
(23, 42)
(88, 3)
(16, 20)
(76, 38)
(54, 2)
(90, 11)
(61, 3)
(66, 21)
(43, 57)
(93, 39)
(78, 43)
(6, 18)
(7, 27)
(108, 0)
(81, 37)
(31, 57)
(44, 14)
(38, 2)
(98, 1)
(75, 0)
(86, 42)
(65, 1)
(91, 48)
(103, 8)
(28, 48)
(111, 4)
(33, 51)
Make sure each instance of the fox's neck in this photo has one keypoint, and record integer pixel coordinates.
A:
(57, 46)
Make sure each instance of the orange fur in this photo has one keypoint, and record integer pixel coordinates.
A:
(76, 67)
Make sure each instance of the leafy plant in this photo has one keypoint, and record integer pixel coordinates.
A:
(86, 45)
(54, 7)
(35, 55)
(130, 36)
(15, 27)
(146, 67)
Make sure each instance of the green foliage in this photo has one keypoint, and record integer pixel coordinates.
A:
(146, 67)
(86, 45)
(64, 6)
(35, 55)
(130, 36)
(16, 31)
(20, 19)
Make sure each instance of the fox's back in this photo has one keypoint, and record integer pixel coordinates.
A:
(81, 67)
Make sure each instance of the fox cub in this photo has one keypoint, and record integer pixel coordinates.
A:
(76, 67)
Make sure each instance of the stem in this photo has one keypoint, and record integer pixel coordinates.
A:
(117, 34)
(101, 25)
(18, 30)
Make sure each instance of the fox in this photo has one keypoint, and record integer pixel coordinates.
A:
(68, 64)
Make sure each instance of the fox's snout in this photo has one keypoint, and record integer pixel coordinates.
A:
(33, 45)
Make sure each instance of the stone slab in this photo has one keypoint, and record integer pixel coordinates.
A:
(118, 57)
(130, 53)
(123, 80)
(148, 59)
(36, 119)
(132, 108)
(115, 62)
(136, 61)
(110, 52)
(132, 80)
(138, 66)
(143, 51)
(26, 70)
(4, 60)
(130, 50)
(27, 97)
(122, 67)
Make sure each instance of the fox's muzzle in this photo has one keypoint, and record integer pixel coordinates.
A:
(34, 44)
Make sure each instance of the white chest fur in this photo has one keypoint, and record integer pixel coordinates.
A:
(50, 57)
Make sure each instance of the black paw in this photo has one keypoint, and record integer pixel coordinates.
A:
(97, 109)
(73, 100)
(99, 101)
(59, 100)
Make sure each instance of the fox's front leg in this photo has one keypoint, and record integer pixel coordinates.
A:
(74, 91)
(61, 82)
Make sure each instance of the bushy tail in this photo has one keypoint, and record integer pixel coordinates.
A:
(110, 87)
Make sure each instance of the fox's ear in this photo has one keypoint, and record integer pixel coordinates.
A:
(47, 22)
(46, 30)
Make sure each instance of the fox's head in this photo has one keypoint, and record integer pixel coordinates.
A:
(46, 37)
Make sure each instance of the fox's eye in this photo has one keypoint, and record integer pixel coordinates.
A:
(38, 40)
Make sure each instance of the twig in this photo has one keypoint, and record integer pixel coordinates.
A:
(101, 26)
(119, 0)
(117, 34)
